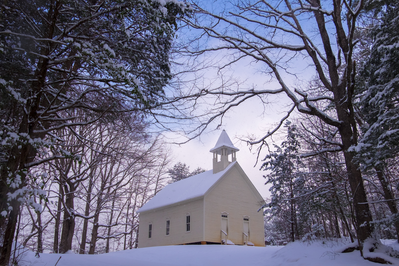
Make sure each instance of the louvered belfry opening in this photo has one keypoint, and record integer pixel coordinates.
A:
(224, 153)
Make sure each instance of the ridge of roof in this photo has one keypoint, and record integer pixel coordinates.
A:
(224, 141)
(186, 189)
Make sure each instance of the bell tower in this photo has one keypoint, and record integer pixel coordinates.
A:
(224, 153)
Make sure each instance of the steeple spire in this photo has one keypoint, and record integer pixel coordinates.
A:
(224, 153)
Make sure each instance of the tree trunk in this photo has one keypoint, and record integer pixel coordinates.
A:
(324, 225)
(126, 222)
(21, 155)
(342, 89)
(68, 223)
(133, 229)
(94, 234)
(336, 223)
(56, 248)
(388, 195)
(17, 161)
(363, 216)
(136, 240)
(94, 231)
(110, 225)
(9, 233)
(101, 197)
(292, 209)
(331, 224)
(343, 217)
(39, 233)
(82, 249)
(338, 202)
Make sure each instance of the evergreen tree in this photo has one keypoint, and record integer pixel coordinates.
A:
(380, 103)
(286, 179)
(109, 59)
(181, 171)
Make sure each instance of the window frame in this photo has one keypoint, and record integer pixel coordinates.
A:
(150, 230)
(167, 227)
(188, 223)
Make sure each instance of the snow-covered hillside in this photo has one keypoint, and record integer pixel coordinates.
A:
(317, 253)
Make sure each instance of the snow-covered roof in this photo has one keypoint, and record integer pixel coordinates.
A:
(186, 189)
(224, 141)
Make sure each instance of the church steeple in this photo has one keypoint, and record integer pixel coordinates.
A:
(224, 153)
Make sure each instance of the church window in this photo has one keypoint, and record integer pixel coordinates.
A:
(167, 227)
(149, 230)
(188, 223)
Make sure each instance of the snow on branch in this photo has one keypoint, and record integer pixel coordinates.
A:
(318, 152)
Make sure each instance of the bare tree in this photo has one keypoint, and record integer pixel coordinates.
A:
(105, 58)
(326, 170)
(119, 168)
(276, 36)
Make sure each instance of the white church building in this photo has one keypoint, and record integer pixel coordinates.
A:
(220, 206)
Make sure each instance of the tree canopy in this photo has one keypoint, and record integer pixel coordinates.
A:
(68, 63)
(380, 92)
(278, 38)
(181, 171)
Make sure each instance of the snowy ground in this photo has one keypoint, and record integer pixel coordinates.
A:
(317, 253)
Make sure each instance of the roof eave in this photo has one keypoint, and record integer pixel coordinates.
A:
(171, 205)
(224, 146)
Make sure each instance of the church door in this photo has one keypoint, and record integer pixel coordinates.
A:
(246, 231)
(224, 229)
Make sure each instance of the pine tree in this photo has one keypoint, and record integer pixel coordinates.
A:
(108, 59)
(181, 171)
(379, 105)
(285, 178)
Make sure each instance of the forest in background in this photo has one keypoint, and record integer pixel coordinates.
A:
(87, 86)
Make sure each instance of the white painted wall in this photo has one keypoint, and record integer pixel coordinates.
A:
(235, 195)
(177, 216)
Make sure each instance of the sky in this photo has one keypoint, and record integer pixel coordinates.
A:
(252, 118)
(196, 153)
(311, 253)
